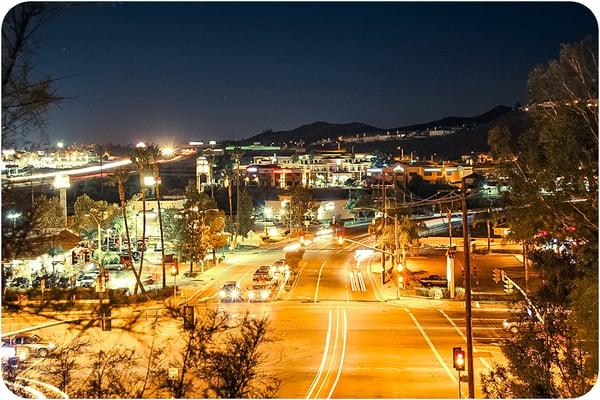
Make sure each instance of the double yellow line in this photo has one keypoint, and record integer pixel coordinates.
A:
(332, 362)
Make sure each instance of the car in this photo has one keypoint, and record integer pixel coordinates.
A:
(511, 325)
(20, 282)
(230, 291)
(136, 255)
(86, 280)
(281, 265)
(267, 269)
(32, 342)
(92, 268)
(114, 267)
(63, 283)
(190, 274)
(260, 276)
(434, 280)
(259, 292)
(148, 279)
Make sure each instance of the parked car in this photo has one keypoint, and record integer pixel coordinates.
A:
(86, 281)
(20, 282)
(148, 279)
(260, 292)
(280, 265)
(32, 342)
(434, 280)
(114, 267)
(63, 283)
(230, 291)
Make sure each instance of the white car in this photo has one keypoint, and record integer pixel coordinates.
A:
(87, 281)
(260, 292)
(230, 291)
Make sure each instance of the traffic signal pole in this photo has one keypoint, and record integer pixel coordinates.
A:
(468, 310)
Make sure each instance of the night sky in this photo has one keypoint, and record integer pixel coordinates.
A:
(180, 72)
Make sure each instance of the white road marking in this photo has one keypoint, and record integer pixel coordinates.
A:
(335, 343)
(339, 373)
(488, 366)
(319, 280)
(361, 282)
(323, 360)
(431, 346)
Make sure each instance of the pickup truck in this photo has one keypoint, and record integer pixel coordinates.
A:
(434, 280)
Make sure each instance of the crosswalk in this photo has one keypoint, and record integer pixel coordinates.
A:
(357, 281)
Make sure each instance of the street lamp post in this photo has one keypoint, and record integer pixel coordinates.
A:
(14, 216)
(62, 183)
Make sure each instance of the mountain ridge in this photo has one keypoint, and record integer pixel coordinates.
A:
(311, 132)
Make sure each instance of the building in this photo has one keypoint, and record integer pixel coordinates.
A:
(404, 172)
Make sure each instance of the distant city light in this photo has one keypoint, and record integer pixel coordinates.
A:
(60, 145)
(212, 142)
(140, 145)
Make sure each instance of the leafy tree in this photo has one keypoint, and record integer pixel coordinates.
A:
(107, 377)
(490, 219)
(87, 209)
(197, 226)
(553, 173)
(232, 369)
(301, 204)
(246, 217)
(25, 98)
(64, 363)
(154, 154)
(48, 213)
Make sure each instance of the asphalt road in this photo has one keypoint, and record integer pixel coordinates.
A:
(334, 337)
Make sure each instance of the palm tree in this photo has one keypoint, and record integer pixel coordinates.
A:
(140, 160)
(153, 156)
(118, 178)
(237, 155)
(490, 220)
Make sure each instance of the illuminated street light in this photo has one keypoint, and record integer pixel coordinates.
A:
(168, 151)
(14, 216)
(150, 181)
(140, 145)
(60, 145)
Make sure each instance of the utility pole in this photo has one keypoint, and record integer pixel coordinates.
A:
(449, 225)
(383, 199)
(468, 311)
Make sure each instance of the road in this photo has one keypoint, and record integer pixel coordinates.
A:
(335, 337)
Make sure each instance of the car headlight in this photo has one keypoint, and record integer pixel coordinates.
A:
(505, 323)
(273, 269)
(51, 346)
(222, 293)
(250, 295)
(234, 294)
(264, 294)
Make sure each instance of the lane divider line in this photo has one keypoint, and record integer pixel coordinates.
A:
(339, 372)
(488, 366)
(319, 280)
(333, 352)
(324, 359)
(431, 346)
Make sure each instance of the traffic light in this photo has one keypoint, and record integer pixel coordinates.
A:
(74, 258)
(87, 256)
(496, 275)
(458, 358)
(508, 286)
(340, 240)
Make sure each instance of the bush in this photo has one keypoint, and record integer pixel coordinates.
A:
(121, 296)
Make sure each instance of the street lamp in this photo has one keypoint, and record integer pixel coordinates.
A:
(14, 216)
(62, 183)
